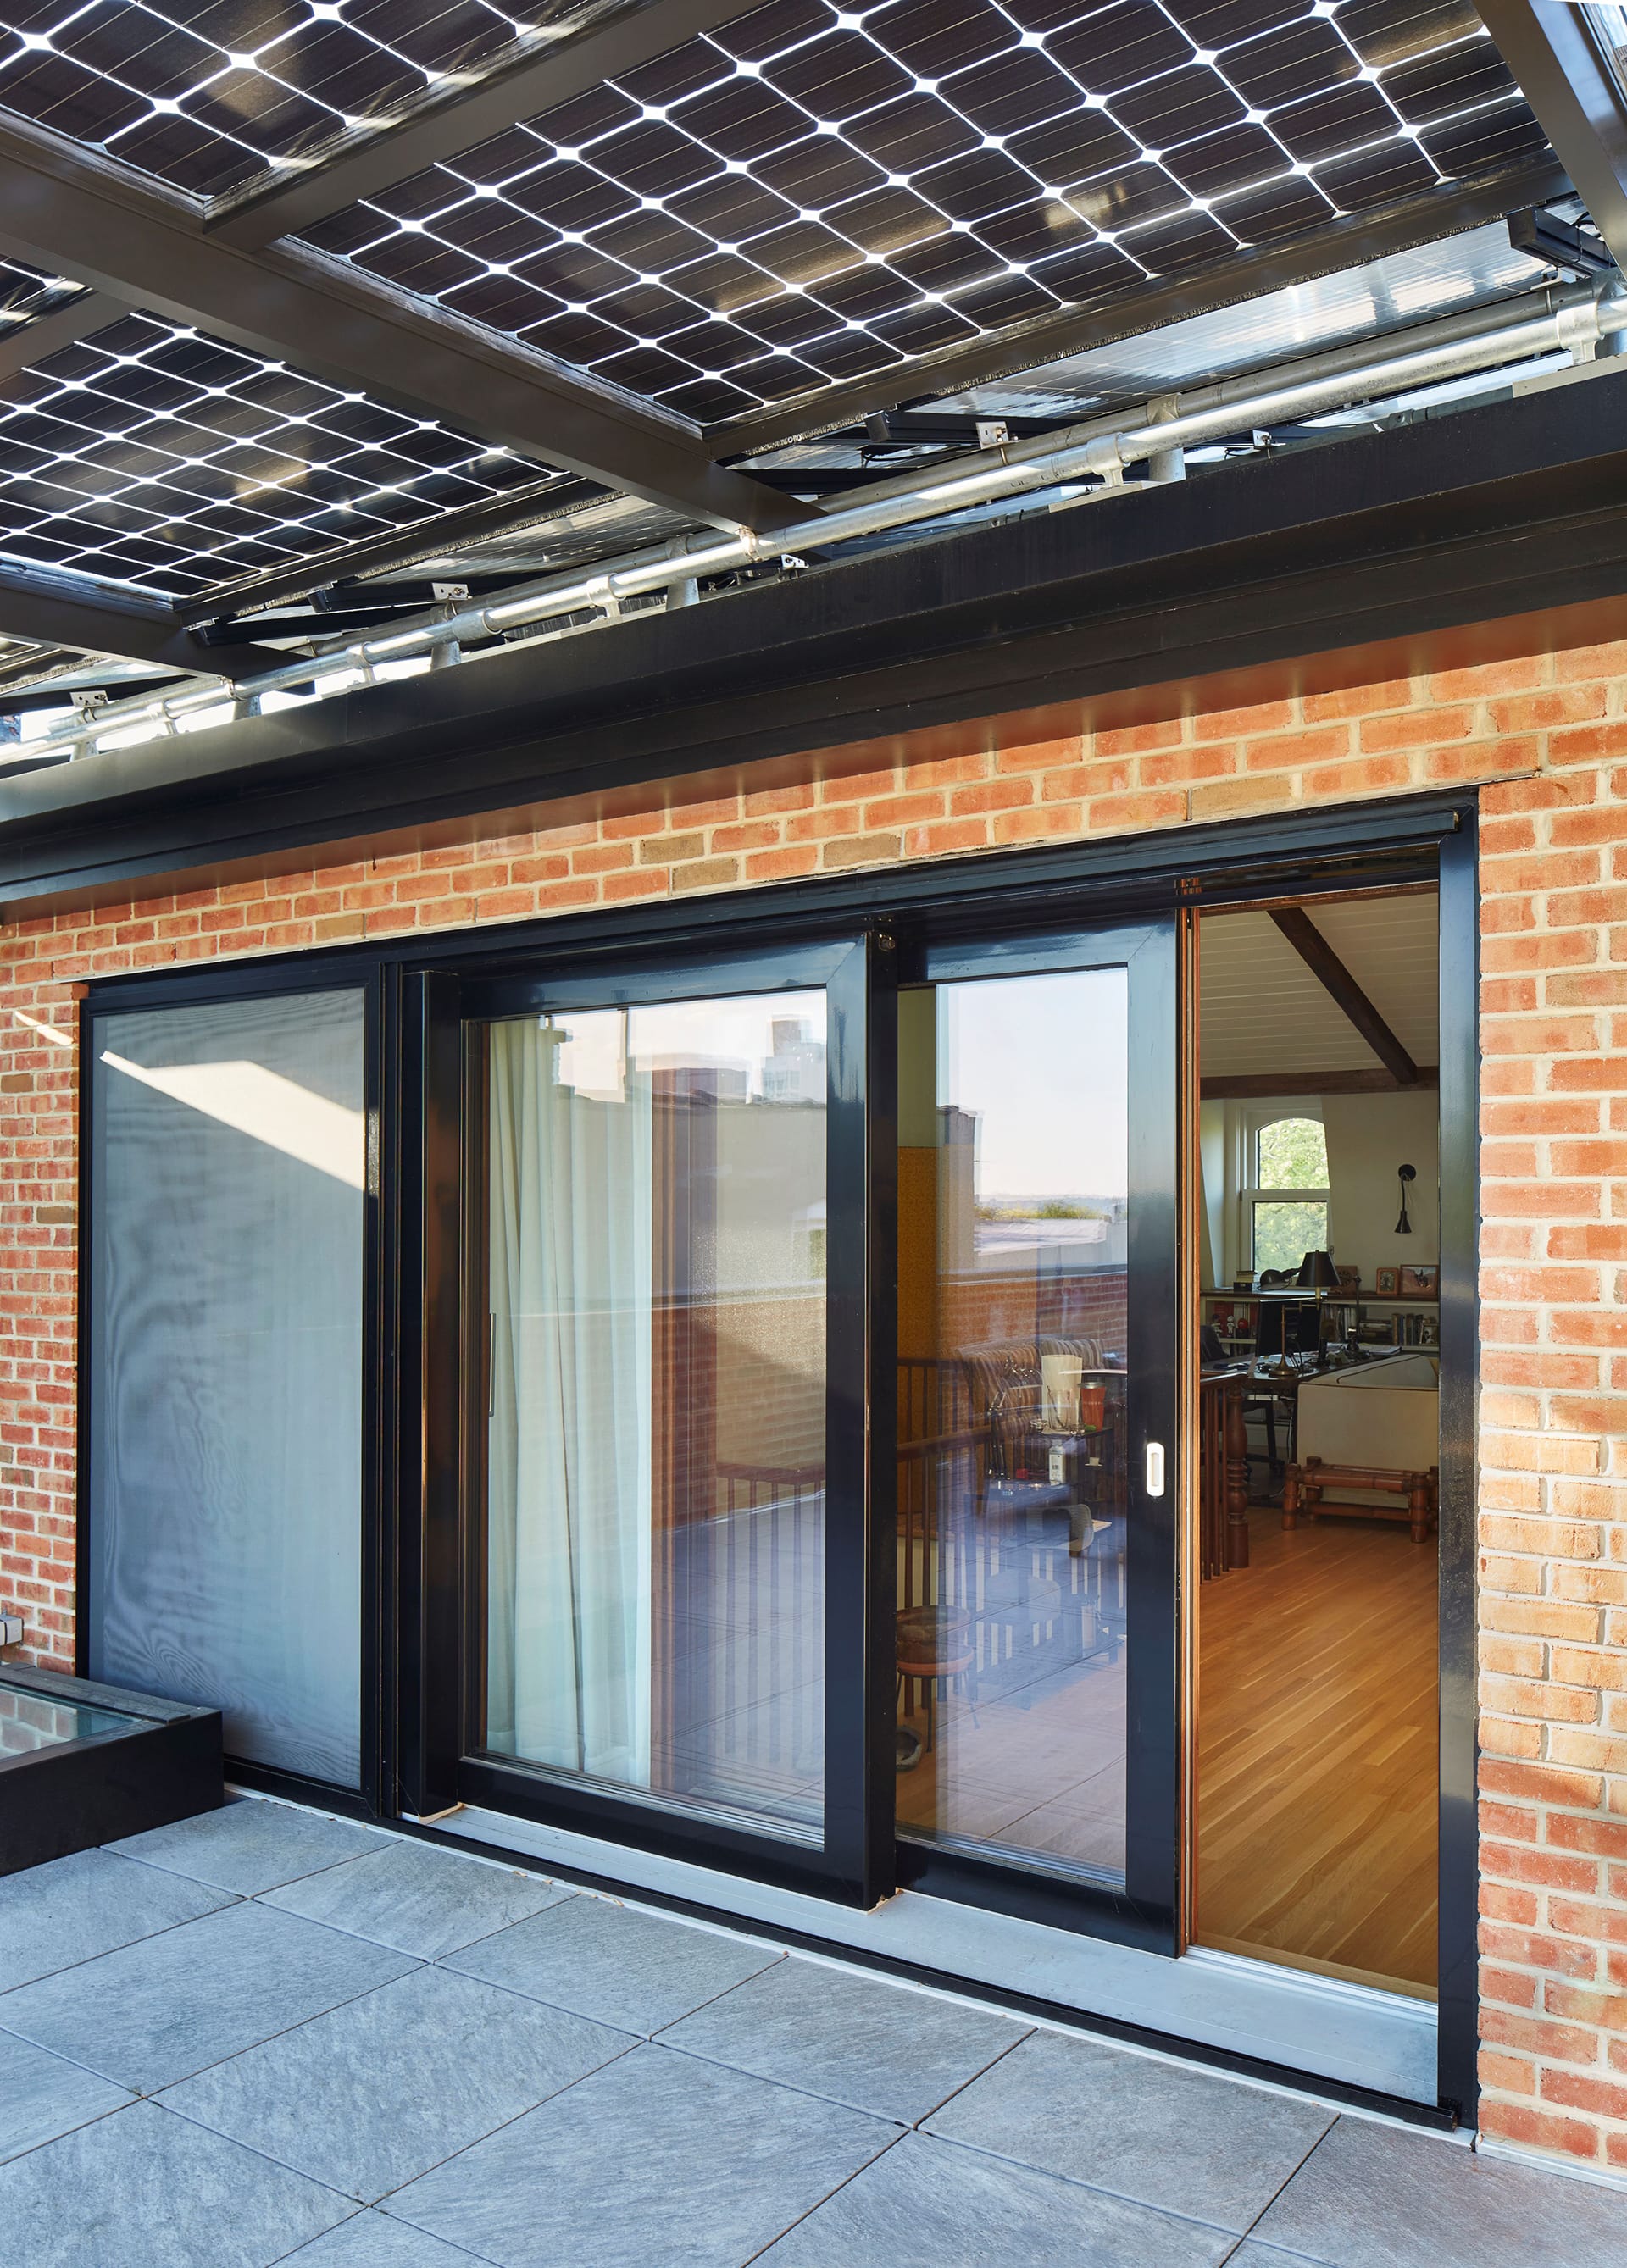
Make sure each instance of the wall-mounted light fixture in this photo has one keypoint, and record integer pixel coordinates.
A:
(1403, 1174)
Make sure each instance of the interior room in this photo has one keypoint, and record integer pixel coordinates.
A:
(1319, 1318)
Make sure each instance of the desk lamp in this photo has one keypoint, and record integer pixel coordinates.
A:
(1318, 1274)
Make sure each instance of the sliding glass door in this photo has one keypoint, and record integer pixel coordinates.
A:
(1036, 1487)
(657, 1218)
(805, 1500)
(666, 1238)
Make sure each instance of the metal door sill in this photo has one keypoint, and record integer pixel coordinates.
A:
(1323, 2027)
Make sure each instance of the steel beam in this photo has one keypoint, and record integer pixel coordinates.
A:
(28, 698)
(1351, 242)
(63, 208)
(579, 51)
(1562, 64)
(475, 523)
(88, 618)
(1420, 537)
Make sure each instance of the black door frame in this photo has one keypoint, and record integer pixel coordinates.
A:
(1144, 1912)
(247, 981)
(443, 1762)
(1338, 850)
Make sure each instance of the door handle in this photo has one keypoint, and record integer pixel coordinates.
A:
(1155, 1468)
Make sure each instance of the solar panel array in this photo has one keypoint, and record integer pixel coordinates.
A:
(148, 454)
(207, 94)
(811, 193)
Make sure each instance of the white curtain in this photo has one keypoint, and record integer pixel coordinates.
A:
(569, 1468)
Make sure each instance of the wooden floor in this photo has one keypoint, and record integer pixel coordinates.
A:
(1317, 1715)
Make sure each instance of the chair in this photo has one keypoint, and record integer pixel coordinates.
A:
(934, 1647)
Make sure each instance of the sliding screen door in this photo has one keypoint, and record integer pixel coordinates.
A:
(228, 1170)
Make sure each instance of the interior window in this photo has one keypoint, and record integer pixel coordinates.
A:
(1289, 1207)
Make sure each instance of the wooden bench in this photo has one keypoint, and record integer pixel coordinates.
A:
(1304, 1485)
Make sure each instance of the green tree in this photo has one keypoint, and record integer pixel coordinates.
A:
(1294, 1154)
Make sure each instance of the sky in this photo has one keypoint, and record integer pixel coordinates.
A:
(1042, 1060)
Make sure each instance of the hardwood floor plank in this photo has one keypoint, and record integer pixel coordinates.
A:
(1317, 1752)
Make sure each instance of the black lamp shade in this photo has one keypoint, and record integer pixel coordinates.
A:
(1317, 1273)
(1403, 1174)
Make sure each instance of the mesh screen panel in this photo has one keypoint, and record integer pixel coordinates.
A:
(150, 454)
(225, 1369)
(809, 194)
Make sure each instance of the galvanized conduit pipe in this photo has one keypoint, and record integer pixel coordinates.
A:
(1572, 321)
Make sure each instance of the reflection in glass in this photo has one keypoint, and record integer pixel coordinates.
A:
(656, 1446)
(1013, 1218)
(32, 1721)
(1610, 23)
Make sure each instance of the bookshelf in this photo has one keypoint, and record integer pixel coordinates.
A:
(1366, 1318)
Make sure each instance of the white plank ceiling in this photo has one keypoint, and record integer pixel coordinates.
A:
(1263, 1011)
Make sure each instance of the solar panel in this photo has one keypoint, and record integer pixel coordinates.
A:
(209, 93)
(25, 292)
(811, 193)
(148, 454)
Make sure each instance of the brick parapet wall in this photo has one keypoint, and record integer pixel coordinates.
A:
(1547, 732)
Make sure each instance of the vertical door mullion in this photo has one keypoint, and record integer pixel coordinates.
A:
(861, 1388)
(1460, 1332)
(1153, 1824)
(430, 1578)
(394, 1192)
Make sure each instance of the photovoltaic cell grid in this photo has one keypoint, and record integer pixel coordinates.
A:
(148, 454)
(808, 195)
(207, 94)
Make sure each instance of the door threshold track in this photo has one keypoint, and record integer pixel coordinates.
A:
(1353, 2034)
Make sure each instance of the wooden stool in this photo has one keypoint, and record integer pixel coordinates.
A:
(1303, 1486)
(934, 1643)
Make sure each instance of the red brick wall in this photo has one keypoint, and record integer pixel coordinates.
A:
(1549, 730)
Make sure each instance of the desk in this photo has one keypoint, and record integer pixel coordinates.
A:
(1280, 1386)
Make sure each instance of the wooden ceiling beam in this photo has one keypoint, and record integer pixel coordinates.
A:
(1265, 1087)
(1347, 995)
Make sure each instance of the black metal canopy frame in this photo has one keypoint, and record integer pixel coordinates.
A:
(289, 300)
(1494, 512)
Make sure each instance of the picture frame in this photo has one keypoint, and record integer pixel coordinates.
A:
(1350, 1279)
(1422, 1282)
(1388, 1281)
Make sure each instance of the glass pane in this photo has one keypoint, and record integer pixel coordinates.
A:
(29, 1721)
(227, 1368)
(1610, 22)
(656, 1455)
(1283, 1233)
(1013, 1221)
(1294, 1154)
